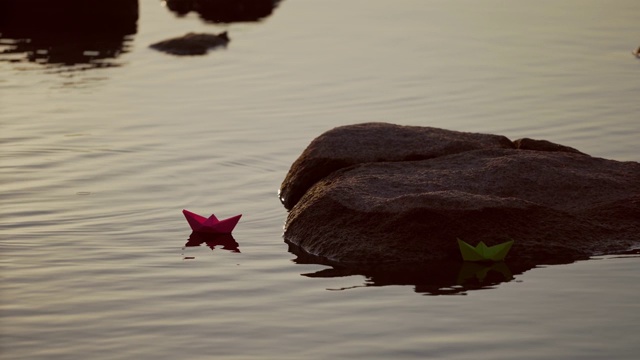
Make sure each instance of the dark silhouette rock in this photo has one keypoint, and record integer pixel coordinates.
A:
(225, 11)
(405, 194)
(192, 44)
(67, 32)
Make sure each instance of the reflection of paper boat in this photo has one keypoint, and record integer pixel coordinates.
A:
(213, 240)
(483, 252)
(212, 224)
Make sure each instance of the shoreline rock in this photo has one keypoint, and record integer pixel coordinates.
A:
(382, 194)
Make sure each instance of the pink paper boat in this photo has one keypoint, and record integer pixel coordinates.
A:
(212, 224)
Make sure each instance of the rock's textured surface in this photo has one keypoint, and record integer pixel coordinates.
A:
(376, 142)
(555, 202)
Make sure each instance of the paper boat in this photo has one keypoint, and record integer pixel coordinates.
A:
(212, 224)
(482, 252)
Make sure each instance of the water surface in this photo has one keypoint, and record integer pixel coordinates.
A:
(97, 162)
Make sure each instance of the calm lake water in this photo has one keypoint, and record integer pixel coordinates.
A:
(98, 158)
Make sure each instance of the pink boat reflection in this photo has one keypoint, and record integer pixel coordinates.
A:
(213, 241)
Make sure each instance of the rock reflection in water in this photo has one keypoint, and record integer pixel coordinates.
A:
(224, 11)
(434, 278)
(75, 34)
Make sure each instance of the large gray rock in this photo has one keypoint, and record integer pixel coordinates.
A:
(408, 201)
(375, 142)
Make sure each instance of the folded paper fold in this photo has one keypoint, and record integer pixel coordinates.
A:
(211, 224)
(482, 252)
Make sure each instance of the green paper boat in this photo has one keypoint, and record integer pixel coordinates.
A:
(482, 252)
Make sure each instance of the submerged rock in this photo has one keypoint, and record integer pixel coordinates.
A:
(381, 193)
(192, 44)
